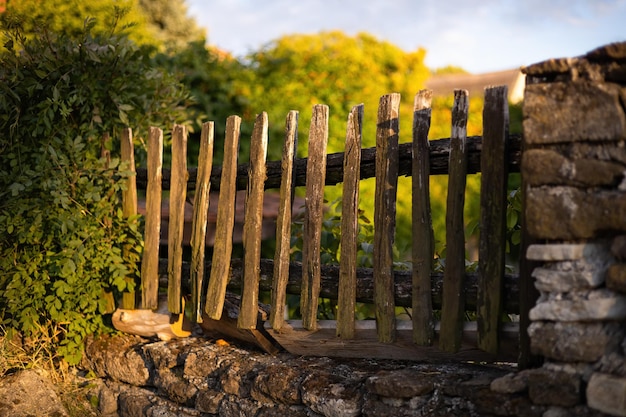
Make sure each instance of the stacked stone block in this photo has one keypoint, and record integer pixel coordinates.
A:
(574, 171)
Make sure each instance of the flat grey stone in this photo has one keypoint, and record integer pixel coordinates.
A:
(607, 393)
(595, 305)
(27, 393)
(573, 342)
(564, 251)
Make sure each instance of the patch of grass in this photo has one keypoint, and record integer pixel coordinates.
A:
(19, 353)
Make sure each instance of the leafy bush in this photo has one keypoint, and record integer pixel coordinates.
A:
(331, 237)
(63, 239)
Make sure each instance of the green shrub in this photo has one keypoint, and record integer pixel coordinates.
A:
(63, 238)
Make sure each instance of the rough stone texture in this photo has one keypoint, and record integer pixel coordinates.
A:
(612, 51)
(197, 377)
(486, 401)
(613, 363)
(577, 411)
(567, 213)
(584, 306)
(280, 383)
(550, 280)
(605, 63)
(26, 393)
(573, 342)
(330, 394)
(607, 393)
(569, 112)
(554, 388)
(139, 402)
(618, 247)
(402, 384)
(511, 383)
(107, 400)
(565, 251)
(119, 358)
(616, 278)
(604, 152)
(571, 267)
(178, 389)
(549, 67)
(549, 167)
(208, 401)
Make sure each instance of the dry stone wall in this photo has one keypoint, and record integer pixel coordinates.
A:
(574, 168)
(198, 377)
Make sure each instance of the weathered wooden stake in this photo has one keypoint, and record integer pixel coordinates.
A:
(283, 223)
(178, 195)
(253, 224)
(387, 131)
(423, 239)
(200, 217)
(150, 258)
(452, 313)
(349, 224)
(129, 203)
(223, 246)
(313, 216)
(493, 190)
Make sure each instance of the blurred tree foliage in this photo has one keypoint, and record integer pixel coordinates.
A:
(169, 24)
(298, 71)
(163, 24)
(216, 82)
(68, 17)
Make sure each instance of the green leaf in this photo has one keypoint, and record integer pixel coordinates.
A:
(69, 267)
(516, 237)
(511, 219)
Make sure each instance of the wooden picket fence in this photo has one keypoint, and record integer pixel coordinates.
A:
(492, 155)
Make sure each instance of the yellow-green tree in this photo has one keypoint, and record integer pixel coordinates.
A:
(169, 24)
(296, 72)
(163, 24)
(68, 17)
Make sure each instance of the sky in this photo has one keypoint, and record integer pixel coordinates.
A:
(476, 35)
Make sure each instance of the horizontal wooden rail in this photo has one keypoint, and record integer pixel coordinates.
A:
(439, 151)
(365, 284)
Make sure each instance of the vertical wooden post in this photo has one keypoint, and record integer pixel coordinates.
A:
(492, 245)
(105, 153)
(200, 218)
(283, 223)
(349, 224)
(313, 216)
(178, 195)
(150, 258)
(223, 246)
(253, 225)
(423, 239)
(452, 312)
(129, 203)
(387, 131)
